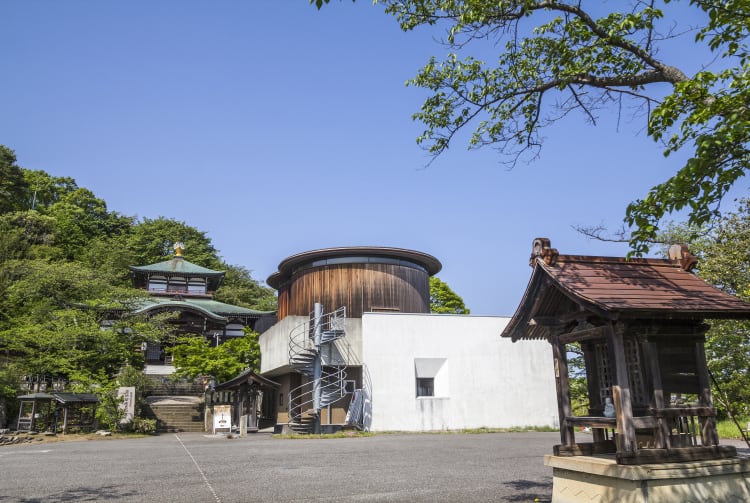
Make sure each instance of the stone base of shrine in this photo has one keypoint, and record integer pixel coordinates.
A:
(600, 479)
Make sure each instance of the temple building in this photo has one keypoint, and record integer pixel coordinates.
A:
(177, 285)
(187, 290)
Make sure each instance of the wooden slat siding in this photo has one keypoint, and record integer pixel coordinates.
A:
(678, 455)
(657, 393)
(567, 433)
(592, 378)
(359, 287)
(709, 434)
(593, 333)
(674, 360)
(283, 303)
(596, 407)
(585, 449)
(621, 393)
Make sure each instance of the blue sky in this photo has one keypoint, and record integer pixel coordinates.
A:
(277, 128)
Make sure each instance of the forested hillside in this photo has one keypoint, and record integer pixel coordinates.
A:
(64, 261)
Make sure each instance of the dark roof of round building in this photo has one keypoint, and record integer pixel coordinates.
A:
(353, 255)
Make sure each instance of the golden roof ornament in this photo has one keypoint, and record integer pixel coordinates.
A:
(178, 247)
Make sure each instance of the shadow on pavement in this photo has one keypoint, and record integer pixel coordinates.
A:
(82, 494)
(530, 491)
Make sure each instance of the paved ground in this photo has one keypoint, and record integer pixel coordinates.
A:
(197, 468)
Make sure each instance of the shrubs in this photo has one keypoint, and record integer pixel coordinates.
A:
(143, 425)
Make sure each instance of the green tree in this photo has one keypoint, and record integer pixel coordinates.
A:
(78, 216)
(557, 57)
(445, 300)
(9, 383)
(240, 289)
(724, 261)
(152, 240)
(51, 321)
(26, 234)
(46, 189)
(66, 305)
(110, 256)
(194, 356)
(13, 186)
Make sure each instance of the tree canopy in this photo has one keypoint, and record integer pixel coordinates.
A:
(444, 300)
(558, 57)
(196, 356)
(13, 186)
(64, 261)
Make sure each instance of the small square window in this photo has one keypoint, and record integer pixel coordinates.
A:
(425, 386)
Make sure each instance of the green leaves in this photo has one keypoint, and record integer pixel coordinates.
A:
(444, 300)
(240, 289)
(13, 187)
(713, 120)
(567, 62)
(557, 58)
(194, 356)
(152, 241)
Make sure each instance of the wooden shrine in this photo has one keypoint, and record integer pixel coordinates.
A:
(640, 324)
(251, 396)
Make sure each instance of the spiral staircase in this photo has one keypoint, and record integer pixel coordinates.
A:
(315, 352)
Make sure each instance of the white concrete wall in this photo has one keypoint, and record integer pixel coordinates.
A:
(274, 344)
(486, 380)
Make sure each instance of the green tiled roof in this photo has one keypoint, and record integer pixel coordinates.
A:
(211, 308)
(178, 266)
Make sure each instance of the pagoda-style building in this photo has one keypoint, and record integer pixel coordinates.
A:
(188, 289)
(650, 428)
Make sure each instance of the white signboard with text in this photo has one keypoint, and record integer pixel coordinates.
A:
(126, 394)
(222, 417)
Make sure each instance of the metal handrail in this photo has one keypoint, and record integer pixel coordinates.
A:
(333, 383)
(329, 327)
(352, 359)
(301, 336)
(301, 339)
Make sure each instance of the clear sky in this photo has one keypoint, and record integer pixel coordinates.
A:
(277, 128)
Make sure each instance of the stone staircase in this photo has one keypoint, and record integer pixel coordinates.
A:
(176, 413)
(176, 405)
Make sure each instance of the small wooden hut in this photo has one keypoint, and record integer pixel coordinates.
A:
(249, 395)
(640, 324)
(56, 411)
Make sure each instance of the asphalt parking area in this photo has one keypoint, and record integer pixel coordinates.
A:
(202, 468)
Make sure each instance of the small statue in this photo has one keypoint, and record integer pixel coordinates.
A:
(609, 408)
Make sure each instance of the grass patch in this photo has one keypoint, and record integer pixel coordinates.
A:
(476, 431)
(469, 431)
(512, 429)
(338, 434)
(728, 429)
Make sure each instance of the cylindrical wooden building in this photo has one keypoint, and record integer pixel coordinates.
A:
(362, 278)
